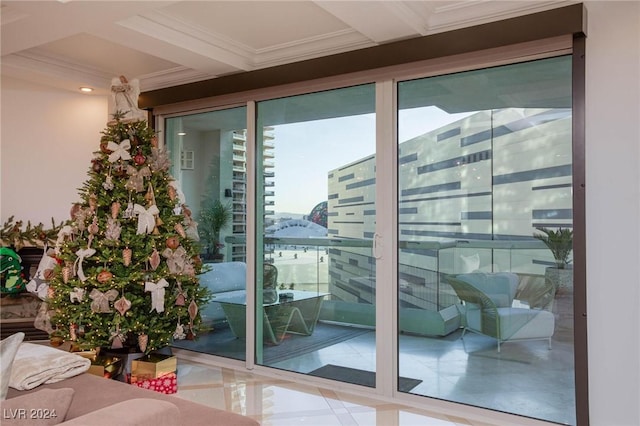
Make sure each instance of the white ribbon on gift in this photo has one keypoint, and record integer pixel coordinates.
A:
(157, 293)
(146, 218)
(77, 294)
(82, 254)
(101, 300)
(120, 150)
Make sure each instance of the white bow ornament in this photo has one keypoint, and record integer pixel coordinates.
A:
(82, 254)
(146, 218)
(157, 294)
(101, 300)
(120, 150)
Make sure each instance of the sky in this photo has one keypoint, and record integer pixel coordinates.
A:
(305, 152)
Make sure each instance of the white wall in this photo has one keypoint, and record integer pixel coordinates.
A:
(613, 211)
(48, 138)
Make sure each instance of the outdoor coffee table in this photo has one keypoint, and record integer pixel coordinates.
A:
(297, 315)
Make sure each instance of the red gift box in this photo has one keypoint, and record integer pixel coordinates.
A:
(167, 383)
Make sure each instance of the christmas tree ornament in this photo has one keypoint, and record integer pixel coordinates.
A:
(96, 165)
(103, 146)
(173, 194)
(100, 300)
(108, 182)
(136, 178)
(122, 305)
(119, 151)
(193, 311)
(93, 202)
(80, 331)
(159, 160)
(115, 209)
(117, 338)
(94, 228)
(129, 212)
(112, 233)
(154, 141)
(157, 291)
(172, 242)
(154, 260)
(150, 196)
(176, 259)
(159, 221)
(126, 256)
(75, 208)
(82, 255)
(180, 230)
(179, 333)
(77, 295)
(139, 159)
(134, 140)
(66, 274)
(104, 276)
(181, 296)
(143, 340)
(146, 218)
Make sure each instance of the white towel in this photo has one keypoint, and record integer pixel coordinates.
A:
(38, 364)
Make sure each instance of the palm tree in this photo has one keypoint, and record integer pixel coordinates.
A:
(560, 243)
(213, 219)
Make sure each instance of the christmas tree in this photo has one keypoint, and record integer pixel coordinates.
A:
(128, 259)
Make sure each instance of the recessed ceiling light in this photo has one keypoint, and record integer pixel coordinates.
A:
(86, 89)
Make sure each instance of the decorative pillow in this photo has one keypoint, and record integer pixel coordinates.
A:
(8, 349)
(45, 407)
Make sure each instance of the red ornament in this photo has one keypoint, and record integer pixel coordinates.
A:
(104, 276)
(139, 159)
(173, 243)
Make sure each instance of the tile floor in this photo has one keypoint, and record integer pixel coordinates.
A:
(532, 380)
(278, 402)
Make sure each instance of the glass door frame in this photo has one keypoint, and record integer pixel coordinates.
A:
(386, 189)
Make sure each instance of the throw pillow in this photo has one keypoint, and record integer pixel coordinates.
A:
(8, 349)
(470, 263)
(45, 407)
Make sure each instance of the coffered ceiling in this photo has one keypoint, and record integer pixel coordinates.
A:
(71, 43)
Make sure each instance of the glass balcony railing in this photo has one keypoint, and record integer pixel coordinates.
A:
(345, 269)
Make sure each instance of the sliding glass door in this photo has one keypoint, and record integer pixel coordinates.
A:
(316, 277)
(484, 181)
(471, 245)
(209, 162)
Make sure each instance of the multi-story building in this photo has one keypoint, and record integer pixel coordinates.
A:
(492, 177)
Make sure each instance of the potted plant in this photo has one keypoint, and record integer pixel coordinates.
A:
(560, 243)
(213, 219)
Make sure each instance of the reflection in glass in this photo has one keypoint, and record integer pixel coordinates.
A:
(208, 152)
(317, 195)
(485, 162)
